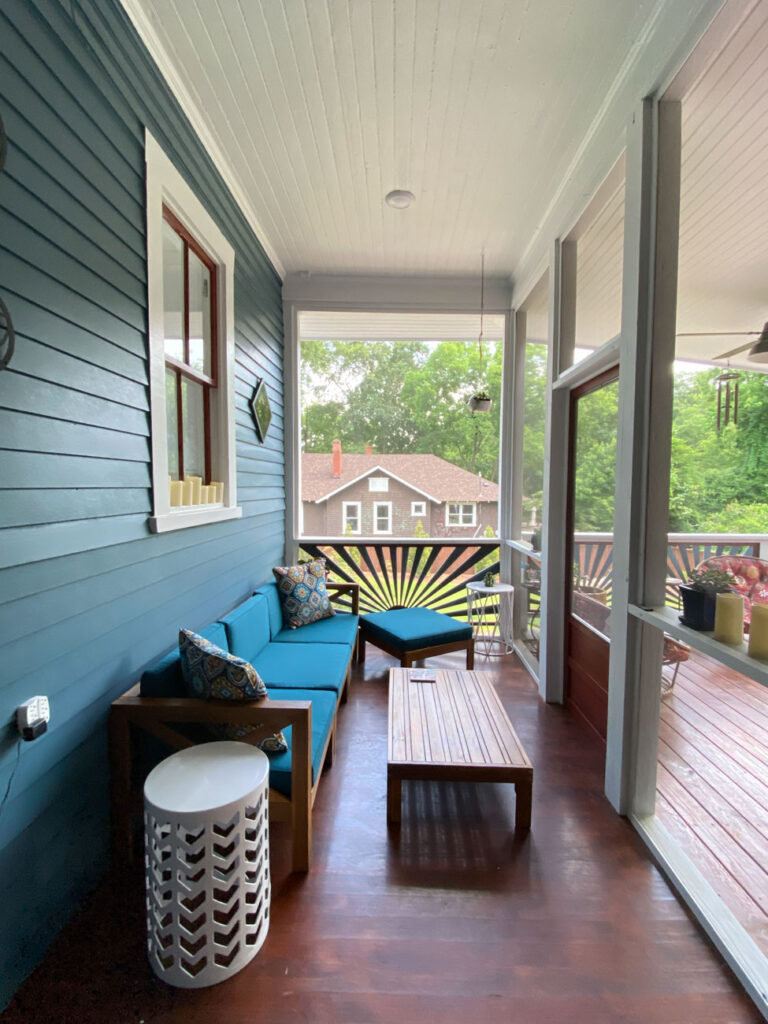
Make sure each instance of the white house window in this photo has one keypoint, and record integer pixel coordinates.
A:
(382, 517)
(351, 517)
(418, 508)
(460, 514)
(190, 272)
(378, 483)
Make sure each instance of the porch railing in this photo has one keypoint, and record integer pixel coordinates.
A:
(408, 573)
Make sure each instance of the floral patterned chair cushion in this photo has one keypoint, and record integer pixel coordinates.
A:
(212, 673)
(303, 593)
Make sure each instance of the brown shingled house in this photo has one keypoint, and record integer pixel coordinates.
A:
(372, 495)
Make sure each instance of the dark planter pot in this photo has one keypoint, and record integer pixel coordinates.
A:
(698, 608)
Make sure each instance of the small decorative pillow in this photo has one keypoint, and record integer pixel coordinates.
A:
(303, 593)
(212, 673)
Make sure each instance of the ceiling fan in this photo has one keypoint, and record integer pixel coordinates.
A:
(758, 350)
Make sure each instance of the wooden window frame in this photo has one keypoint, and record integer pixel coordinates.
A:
(166, 188)
(184, 369)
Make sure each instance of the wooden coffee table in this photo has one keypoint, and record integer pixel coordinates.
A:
(454, 729)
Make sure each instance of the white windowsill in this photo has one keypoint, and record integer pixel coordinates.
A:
(193, 516)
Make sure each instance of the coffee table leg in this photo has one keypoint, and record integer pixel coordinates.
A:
(393, 798)
(523, 800)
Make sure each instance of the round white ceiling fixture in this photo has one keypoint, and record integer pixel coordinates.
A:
(399, 198)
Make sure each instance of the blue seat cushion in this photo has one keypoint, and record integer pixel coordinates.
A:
(247, 628)
(409, 629)
(303, 666)
(341, 629)
(323, 710)
(164, 677)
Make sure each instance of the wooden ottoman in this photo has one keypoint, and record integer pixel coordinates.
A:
(414, 633)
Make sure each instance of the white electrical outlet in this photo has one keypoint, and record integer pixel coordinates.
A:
(32, 717)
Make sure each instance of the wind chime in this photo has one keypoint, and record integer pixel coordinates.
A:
(727, 398)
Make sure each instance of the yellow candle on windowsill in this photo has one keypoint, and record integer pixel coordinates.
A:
(218, 491)
(177, 493)
(758, 632)
(729, 618)
(205, 494)
(188, 486)
(197, 482)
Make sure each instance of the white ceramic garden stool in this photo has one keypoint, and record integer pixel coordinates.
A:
(490, 615)
(206, 843)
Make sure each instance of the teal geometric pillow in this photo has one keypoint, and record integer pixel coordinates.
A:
(303, 594)
(212, 673)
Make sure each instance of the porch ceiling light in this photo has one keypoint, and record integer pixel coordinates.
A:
(399, 198)
(759, 351)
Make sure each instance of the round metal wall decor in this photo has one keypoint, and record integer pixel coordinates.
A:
(7, 336)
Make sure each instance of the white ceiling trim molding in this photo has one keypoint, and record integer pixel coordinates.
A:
(159, 54)
(411, 293)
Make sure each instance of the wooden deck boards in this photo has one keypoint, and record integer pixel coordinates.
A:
(712, 783)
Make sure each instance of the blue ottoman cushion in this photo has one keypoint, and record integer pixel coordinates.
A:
(411, 629)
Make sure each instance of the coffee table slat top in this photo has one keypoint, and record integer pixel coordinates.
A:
(456, 722)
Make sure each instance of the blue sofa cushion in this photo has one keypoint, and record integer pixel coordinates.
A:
(303, 666)
(409, 629)
(303, 593)
(323, 710)
(164, 678)
(212, 673)
(341, 629)
(274, 608)
(247, 628)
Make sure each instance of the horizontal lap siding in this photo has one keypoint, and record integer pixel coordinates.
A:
(88, 597)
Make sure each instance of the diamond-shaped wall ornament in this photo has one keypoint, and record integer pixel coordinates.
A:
(207, 916)
(261, 410)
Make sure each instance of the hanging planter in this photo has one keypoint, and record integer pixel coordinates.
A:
(480, 402)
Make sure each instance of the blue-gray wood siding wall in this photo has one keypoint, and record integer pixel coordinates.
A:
(87, 595)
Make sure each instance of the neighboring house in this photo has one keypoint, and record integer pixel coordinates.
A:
(371, 495)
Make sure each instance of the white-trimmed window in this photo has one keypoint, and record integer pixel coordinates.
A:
(190, 272)
(382, 517)
(418, 508)
(460, 514)
(351, 517)
(378, 483)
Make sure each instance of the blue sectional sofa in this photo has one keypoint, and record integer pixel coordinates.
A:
(307, 673)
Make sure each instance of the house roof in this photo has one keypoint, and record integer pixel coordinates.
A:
(436, 478)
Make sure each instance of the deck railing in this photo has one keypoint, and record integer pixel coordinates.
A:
(429, 573)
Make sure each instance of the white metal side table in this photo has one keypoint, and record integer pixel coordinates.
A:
(490, 615)
(206, 829)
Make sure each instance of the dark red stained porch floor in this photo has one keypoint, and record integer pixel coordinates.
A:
(449, 919)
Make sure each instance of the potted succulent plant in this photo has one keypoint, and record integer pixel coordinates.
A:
(480, 402)
(698, 596)
(489, 580)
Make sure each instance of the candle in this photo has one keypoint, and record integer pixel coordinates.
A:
(177, 493)
(218, 490)
(758, 632)
(729, 618)
(196, 485)
(188, 485)
(205, 495)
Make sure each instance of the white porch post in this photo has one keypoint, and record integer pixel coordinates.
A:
(292, 428)
(509, 468)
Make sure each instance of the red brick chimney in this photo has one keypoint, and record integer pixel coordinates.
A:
(336, 459)
(368, 450)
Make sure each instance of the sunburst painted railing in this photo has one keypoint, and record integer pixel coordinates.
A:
(409, 573)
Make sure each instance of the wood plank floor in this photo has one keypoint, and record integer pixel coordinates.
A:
(713, 783)
(446, 919)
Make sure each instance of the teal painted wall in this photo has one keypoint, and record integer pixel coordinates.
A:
(87, 595)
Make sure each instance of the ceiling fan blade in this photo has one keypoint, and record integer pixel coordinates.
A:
(735, 351)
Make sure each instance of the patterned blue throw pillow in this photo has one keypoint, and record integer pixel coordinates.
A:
(212, 673)
(303, 593)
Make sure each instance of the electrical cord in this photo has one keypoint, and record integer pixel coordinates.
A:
(13, 774)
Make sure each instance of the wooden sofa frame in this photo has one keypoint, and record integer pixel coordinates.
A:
(158, 716)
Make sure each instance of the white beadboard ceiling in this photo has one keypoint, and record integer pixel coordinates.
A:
(320, 107)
